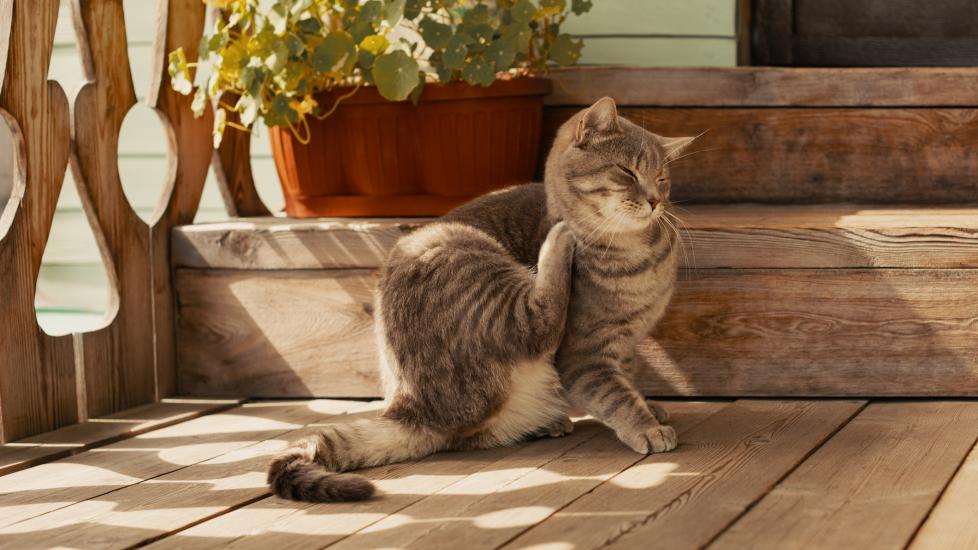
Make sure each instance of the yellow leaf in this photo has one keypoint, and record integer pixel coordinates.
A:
(305, 106)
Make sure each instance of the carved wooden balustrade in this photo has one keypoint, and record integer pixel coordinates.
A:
(51, 381)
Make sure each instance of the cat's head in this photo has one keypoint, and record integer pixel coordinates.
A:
(608, 175)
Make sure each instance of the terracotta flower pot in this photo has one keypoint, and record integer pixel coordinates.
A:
(374, 157)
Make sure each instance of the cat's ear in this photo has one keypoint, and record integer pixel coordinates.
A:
(600, 118)
(674, 146)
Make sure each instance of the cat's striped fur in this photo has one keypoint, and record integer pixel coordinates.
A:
(471, 311)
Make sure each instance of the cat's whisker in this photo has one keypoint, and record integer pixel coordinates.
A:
(688, 240)
(689, 154)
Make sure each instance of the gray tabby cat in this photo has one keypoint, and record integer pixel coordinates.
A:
(469, 329)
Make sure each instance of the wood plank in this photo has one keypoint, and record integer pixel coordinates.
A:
(870, 486)
(118, 360)
(179, 24)
(845, 332)
(282, 243)
(684, 498)
(254, 344)
(37, 371)
(142, 512)
(498, 503)
(729, 236)
(951, 522)
(798, 155)
(765, 86)
(824, 332)
(80, 437)
(32, 494)
(642, 51)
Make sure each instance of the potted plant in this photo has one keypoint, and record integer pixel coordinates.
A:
(384, 107)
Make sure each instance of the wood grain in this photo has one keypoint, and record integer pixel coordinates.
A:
(37, 371)
(729, 236)
(151, 508)
(232, 169)
(503, 500)
(179, 24)
(951, 522)
(77, 438)
(799, 155)
(734, 457)
(119, 359)
(826, 332)
(274, 334)
(31, 495)
(870, 486)
(765, 86)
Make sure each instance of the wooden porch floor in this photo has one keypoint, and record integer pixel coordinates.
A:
(747, 474)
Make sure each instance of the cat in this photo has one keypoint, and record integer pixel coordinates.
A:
(482, 341)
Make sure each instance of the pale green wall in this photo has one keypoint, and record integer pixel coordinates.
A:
(633, 32)
(658, 32)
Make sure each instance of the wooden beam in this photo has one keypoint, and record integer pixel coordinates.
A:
(766, 87)
(799, 155)
(715, 236)
(824, 332)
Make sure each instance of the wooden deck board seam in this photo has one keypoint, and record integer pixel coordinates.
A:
(940, 495)
(592, 489)
(789, 471)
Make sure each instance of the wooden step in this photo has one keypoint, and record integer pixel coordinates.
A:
(798, 135)
(840, 300)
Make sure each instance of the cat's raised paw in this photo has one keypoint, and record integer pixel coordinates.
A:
(656, 439)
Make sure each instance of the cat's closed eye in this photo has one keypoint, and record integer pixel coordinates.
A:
(627, 171)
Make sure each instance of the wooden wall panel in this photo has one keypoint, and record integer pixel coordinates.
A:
(813, 155)
(37, 371)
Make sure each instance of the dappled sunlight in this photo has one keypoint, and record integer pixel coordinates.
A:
(60, 475)
(185, 455)
(235, 423)
(646, 476)
(513, 517)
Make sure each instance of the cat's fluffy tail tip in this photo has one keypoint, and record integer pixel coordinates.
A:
(294, 477)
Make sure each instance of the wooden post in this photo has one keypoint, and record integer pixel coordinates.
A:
(37, 371)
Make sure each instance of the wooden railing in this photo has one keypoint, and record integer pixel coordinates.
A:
(50, 381)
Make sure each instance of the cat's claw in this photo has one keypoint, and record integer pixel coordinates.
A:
(656, 439)
(660, 413)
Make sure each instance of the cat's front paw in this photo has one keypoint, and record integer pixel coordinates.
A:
(655, 439)
(660, 413)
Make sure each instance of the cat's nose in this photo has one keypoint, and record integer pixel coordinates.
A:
(653, 203)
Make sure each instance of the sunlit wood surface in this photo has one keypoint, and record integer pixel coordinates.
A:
(748, 474)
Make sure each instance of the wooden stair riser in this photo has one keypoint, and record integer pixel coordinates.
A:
(815, 155)
(729, 332)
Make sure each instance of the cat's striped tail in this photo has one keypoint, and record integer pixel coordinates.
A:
(311, 469)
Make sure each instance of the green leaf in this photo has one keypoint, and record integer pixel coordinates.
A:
(375, 44)
(412, 9)
(502, 53)
(523, 11)
(480, 32)
(566, 50)
(477, 15)
(557, 4)
(337, 53)
(479, 71)
(436, 35)
(580, 7)
(396, 74)
(393, 11)
(416, 92)
(456, 51)
(372, 12)
(310, 25)
(179, 73)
